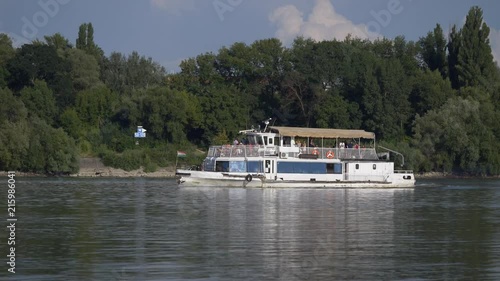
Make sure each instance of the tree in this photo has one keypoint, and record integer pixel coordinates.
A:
(434, 51)
(40, 101)
(14, 131)
(454, 43)
(41, 62)
(71, 123)
(6, 53)
(58, 41)
(50, 150)
(125, 74)
(429, 91)
(84, 69)
(454, 138)
(169, 114)
(470, 57)
(96, 105)
(333, 111)
(386, 102)
(85, 42)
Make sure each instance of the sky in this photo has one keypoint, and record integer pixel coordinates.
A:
(170, 31)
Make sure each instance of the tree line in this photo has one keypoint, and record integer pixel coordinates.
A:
(436, 99)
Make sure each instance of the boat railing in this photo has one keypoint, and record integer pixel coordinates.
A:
(291, 152)
(340, 153)
(403, 171)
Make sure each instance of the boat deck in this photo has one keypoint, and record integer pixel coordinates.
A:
(234, 151)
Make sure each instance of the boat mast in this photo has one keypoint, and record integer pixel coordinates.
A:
(267, 123)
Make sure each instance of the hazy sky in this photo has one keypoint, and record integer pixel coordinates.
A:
(172, 30)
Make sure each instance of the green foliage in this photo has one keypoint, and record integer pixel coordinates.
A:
(221, 138)
(58, 41)
(124, 74)
(452, 137)
(434, 51)
(475, 61)
(436, 100)
(413, 157)
(147, 158)
(128, 160)
(429, 91)
(41, 62)
(333, 111)
(14, 131)
(166, 114)
(84, 69)
(470, 58)
(96, 105)
(39, 101)
(71, 123)
(6, 53)
(50, 150)
(85, 41)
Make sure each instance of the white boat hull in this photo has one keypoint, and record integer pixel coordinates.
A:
(188, 178)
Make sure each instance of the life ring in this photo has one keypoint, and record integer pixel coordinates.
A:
(248, 178)
(330, 154)
(315, 151)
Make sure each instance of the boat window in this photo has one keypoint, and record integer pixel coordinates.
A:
(237, 166)
(222, 166)
(276, 140)
(337, 168)
(251, 140)
(259, 140)
(265, 140)
(301, 168)
(357, 166)
(287, 141)
(270, 141)
(334, 168)
(374, 166)
(254, 167)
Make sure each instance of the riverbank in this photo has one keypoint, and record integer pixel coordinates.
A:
(93, 167)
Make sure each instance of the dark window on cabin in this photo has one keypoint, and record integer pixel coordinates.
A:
(301, 168)
(287, 141)
(357, 166)
(222, 166)
(329, 168)
(334, 168)
(265, 141)
(276, 141)
(254, 167)
(374, 166)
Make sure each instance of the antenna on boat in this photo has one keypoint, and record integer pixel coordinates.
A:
(267, 123)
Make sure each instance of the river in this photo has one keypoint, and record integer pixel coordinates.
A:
(149, 229)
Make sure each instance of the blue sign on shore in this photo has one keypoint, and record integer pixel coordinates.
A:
(141, 132)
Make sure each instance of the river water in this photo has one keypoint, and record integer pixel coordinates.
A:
(149, 229)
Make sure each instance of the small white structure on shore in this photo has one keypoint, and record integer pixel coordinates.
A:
(140, 133)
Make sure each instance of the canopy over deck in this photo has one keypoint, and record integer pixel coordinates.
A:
(322, 133)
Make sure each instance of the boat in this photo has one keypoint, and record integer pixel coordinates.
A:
(287, 157)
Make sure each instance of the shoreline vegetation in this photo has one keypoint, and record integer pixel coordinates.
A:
(435, 100)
